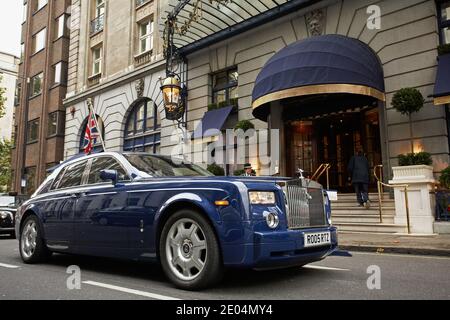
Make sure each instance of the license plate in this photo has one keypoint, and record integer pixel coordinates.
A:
(317, 239)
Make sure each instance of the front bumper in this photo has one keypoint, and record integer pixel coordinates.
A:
(279, 249)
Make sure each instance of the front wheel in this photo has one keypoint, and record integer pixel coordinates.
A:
(189, 250)
(32, 246)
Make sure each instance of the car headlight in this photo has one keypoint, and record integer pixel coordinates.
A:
(262, 197)
(5, 214)
(272, 220)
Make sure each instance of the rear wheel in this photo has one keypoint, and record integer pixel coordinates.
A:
(31, 244)
(190, 252)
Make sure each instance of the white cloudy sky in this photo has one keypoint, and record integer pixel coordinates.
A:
(10, 26)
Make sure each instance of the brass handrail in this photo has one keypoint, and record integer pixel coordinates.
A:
(324, 167)
(381, 184)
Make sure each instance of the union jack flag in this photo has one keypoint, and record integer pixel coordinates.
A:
(91, 134)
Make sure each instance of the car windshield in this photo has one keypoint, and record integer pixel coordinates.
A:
(157, 166)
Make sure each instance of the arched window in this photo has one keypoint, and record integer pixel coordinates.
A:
(142, 132)
(97, 143)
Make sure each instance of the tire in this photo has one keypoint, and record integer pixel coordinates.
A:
(32, 246)
(188, 239)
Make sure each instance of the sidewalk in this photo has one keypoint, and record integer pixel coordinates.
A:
(436, 245)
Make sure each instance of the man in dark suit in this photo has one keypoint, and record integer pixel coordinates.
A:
(358, 169)
(248, 170)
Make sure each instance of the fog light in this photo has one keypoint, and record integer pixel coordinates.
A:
(272, 220)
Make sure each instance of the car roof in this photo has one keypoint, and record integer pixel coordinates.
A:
(82, 156)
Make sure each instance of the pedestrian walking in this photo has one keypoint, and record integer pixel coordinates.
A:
(358, 169)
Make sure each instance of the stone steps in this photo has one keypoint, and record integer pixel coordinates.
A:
(348, 217)
(371, 227)
(367, 219)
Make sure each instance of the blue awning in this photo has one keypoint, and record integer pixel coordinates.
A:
(329, 64)
(442, 87)
(212, 123)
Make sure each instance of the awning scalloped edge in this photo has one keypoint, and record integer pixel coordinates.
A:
(319, 89)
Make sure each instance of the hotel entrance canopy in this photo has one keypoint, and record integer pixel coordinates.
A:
(344, 70)
(442, 86)
(201, 23)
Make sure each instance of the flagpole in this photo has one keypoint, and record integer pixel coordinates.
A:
(91, 109)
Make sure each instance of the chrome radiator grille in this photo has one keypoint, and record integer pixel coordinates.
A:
(305, 205)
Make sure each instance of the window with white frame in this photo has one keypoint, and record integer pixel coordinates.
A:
(24, 12)
(99, 8)
(40, 4)
(145, 36)
(60, 26)
(97, 57)
(59, 73)
(39, 40)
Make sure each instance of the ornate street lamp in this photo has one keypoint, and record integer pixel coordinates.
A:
(172, 97)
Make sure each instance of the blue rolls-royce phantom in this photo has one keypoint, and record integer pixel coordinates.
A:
(140, 206)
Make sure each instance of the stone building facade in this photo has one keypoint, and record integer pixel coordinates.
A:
(406, 43)
(122, 79)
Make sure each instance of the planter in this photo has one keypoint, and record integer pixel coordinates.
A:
(421, 200)
(411, 174)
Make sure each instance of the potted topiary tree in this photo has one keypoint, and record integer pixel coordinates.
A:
(408, 101)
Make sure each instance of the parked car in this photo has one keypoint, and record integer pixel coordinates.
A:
(7, 214)
(145, 207)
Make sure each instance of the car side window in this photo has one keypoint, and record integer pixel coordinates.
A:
(46, 187)
(105, 163)
(73, 175)
(57, 180)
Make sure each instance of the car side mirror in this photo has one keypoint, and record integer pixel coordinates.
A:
(13, 194)
(109, 175)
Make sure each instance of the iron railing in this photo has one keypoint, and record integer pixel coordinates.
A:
(443, 205)
(305, 205)
(97, 24)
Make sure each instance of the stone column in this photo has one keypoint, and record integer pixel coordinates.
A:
(421, 200)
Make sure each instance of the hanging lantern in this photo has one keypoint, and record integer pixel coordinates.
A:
(173, 98)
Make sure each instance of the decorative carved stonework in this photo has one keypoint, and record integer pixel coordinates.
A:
(90, 104)
(316, 22)
(139, 85)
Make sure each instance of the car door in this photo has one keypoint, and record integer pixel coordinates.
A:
(100, 219)
(58, 207)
